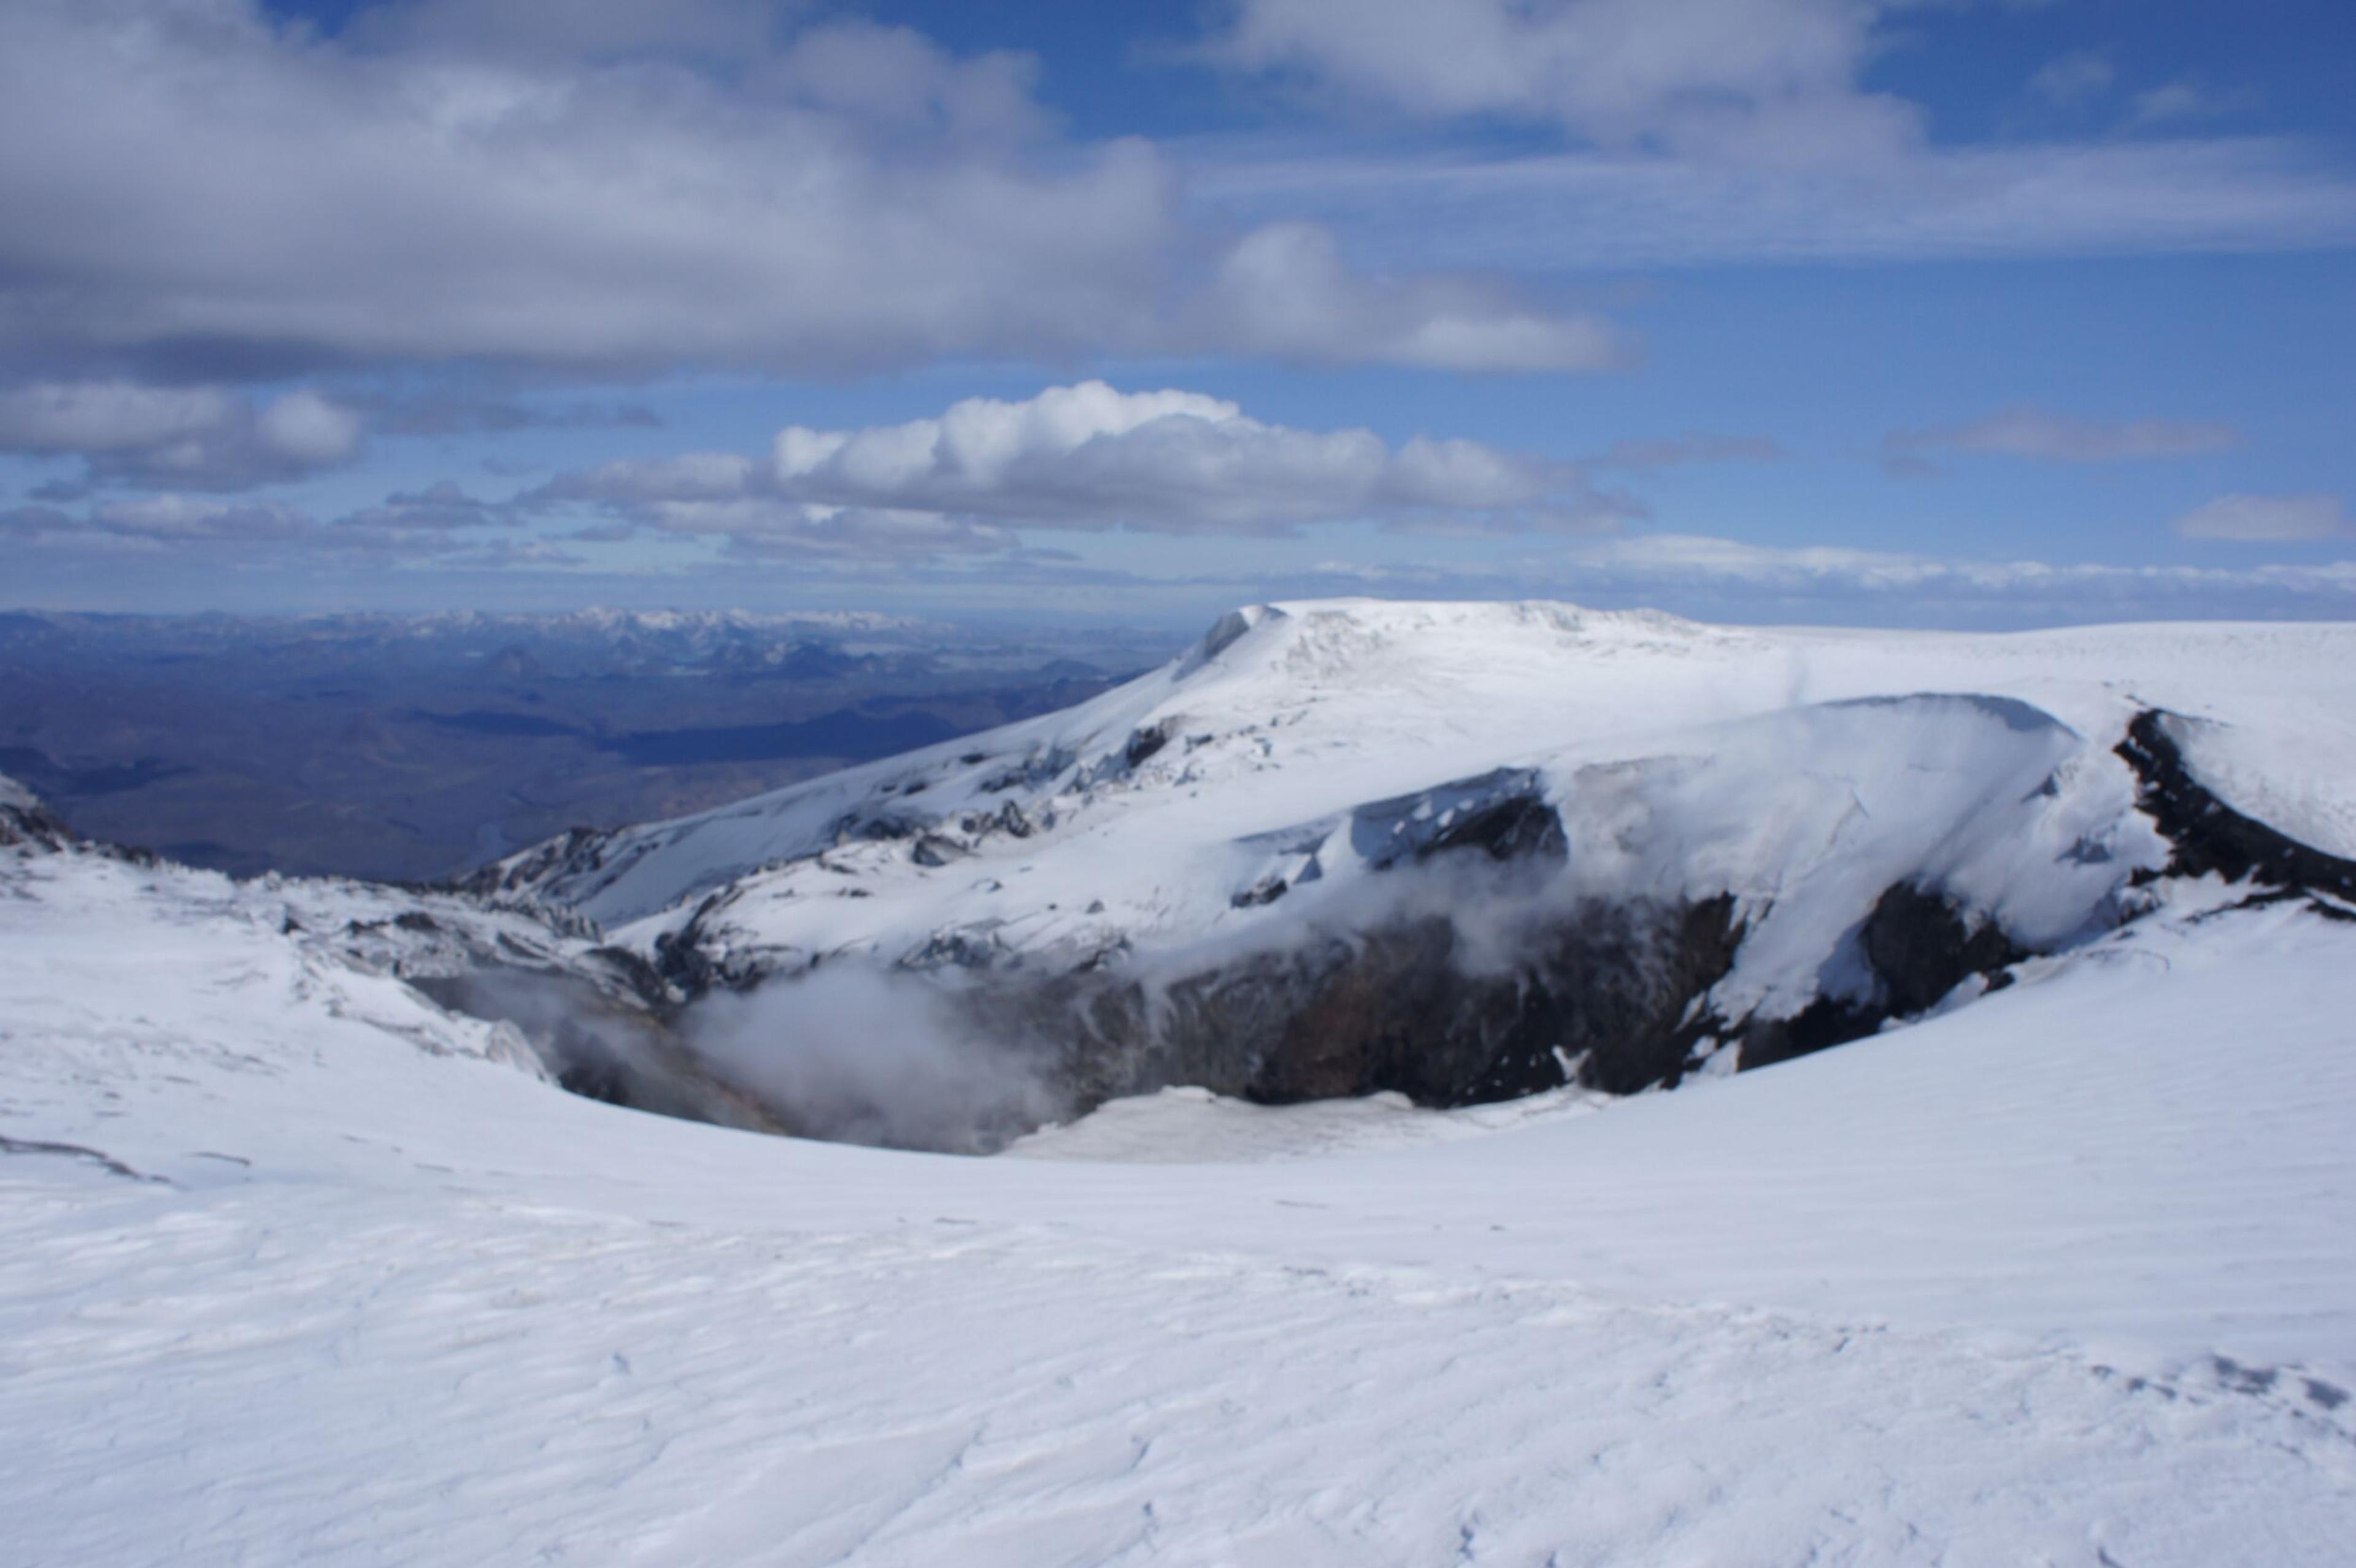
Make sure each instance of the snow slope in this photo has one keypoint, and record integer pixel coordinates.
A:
(1285, 714)
(297, 1268)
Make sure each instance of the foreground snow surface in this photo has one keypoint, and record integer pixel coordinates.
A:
(295, 1268)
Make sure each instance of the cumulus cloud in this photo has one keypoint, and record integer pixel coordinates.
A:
(2057, 438)
(1084, 457)
(612, 186)
(2268, 519)
(193, 438)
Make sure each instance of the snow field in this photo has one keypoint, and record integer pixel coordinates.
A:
(2059, 1277)
(335, 1376)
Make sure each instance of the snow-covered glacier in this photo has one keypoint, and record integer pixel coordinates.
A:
(308, 1255)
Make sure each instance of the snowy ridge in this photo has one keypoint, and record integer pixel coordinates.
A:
(1268, 824)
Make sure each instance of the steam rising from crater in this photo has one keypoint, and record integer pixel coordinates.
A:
(849, 1054)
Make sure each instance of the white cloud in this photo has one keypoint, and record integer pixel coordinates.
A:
(608, 187)
(2268, 519)
(1750, 78)
(202, 437)
(308, 432)
(1285, 292)
(2058, 438)
(1088, 458)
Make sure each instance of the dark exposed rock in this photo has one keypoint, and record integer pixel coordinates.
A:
(1919, 946)
(1038, 768)
(936, 852)
(34, 827)
(1266, 891)
(1601, 992)
(1504, 812)
(574, 850)
(1145, 742)
(975, 947)
(1513, 829)
(2210, 835)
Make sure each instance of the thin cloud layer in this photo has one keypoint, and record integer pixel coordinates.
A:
(2036, 435)
(2289, 519)
(1605, 208)
(660, 192)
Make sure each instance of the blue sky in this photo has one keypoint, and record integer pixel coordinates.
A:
(1949, 312)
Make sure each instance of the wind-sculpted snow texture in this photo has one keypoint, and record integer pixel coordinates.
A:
(297, 1266)
(1461, 852)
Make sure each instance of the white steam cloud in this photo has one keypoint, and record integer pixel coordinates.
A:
(855, 1056)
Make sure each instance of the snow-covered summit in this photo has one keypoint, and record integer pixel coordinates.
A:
(1242, 869)
(1392, 688)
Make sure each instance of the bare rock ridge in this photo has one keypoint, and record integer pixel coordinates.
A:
(2210, 835)
(26, 821)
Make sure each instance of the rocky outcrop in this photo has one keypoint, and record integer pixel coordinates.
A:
(25, 823)
(1600, 993)
(2208, 834)
(1917, 946)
